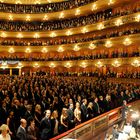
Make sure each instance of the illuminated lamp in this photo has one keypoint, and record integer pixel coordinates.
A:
(116, 63)
(108, 44)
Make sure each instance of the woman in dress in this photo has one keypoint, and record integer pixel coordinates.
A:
(64, 120)
(77, 114)
(55, 123)
(11, 125)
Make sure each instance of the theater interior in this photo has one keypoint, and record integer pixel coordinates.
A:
(69, 69)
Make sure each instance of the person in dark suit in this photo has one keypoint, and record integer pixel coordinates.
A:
(84, 110)
(70, 117)
(21, 132)
(96, 108)
(45, 126)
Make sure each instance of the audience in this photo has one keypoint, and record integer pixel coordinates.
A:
(68, 23)
(116, 53)
(43, 8)
(87, 37)
(75, 100)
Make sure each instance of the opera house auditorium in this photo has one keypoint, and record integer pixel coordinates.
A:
(69, 69)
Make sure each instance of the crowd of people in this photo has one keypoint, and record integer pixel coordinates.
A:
(56, 24)
(73, 39)
(47, 106)
(96, 55)
(43, 8)
(109, 74)
(65, 23)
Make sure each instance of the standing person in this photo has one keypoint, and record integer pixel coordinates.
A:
(84, 110)
(70, 116)
(21, 132)
(96, 107)
(90, 113)
(31, 130)
(64, 120)
(45, 126)
(4, 132)
(124, 110)
(77, 114)
(11, 125)
(55, 123)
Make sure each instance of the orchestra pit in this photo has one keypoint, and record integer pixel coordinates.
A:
(69, 69)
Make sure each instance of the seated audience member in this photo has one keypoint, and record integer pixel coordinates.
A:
(55, 123)
(64, 120)
(45, 126)
(77, 114)
(21, 132)
(4, 132)
(31, 130)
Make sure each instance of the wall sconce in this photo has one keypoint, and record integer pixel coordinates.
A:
(135, 63)
(127, 42)
(99, 64)
(116, 63)
(108, 44)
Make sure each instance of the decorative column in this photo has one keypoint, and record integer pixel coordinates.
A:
(19, 72)
(10, 71)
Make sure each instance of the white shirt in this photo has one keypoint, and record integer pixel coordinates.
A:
(5, 138)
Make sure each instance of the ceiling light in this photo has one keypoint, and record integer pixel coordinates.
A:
(19, 35)
(118, 22)
(36, 35)
(137, 18)
(77, 12)
(1, 1)
(135, 63)
(84, 30)
(45, 17)
(52, 34)
(99, 64)
(60, 49)
(11, 50)
(61, 15)
(92, 46)
(100, 26)
(127, 42)
(76, 48)
(68, 33)
(28, 18)
(28, 50)
(116, 63)
(44, 50)
(94, 7)
(52, 65)
(3, 35)
(10, 17)
(108, 44)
